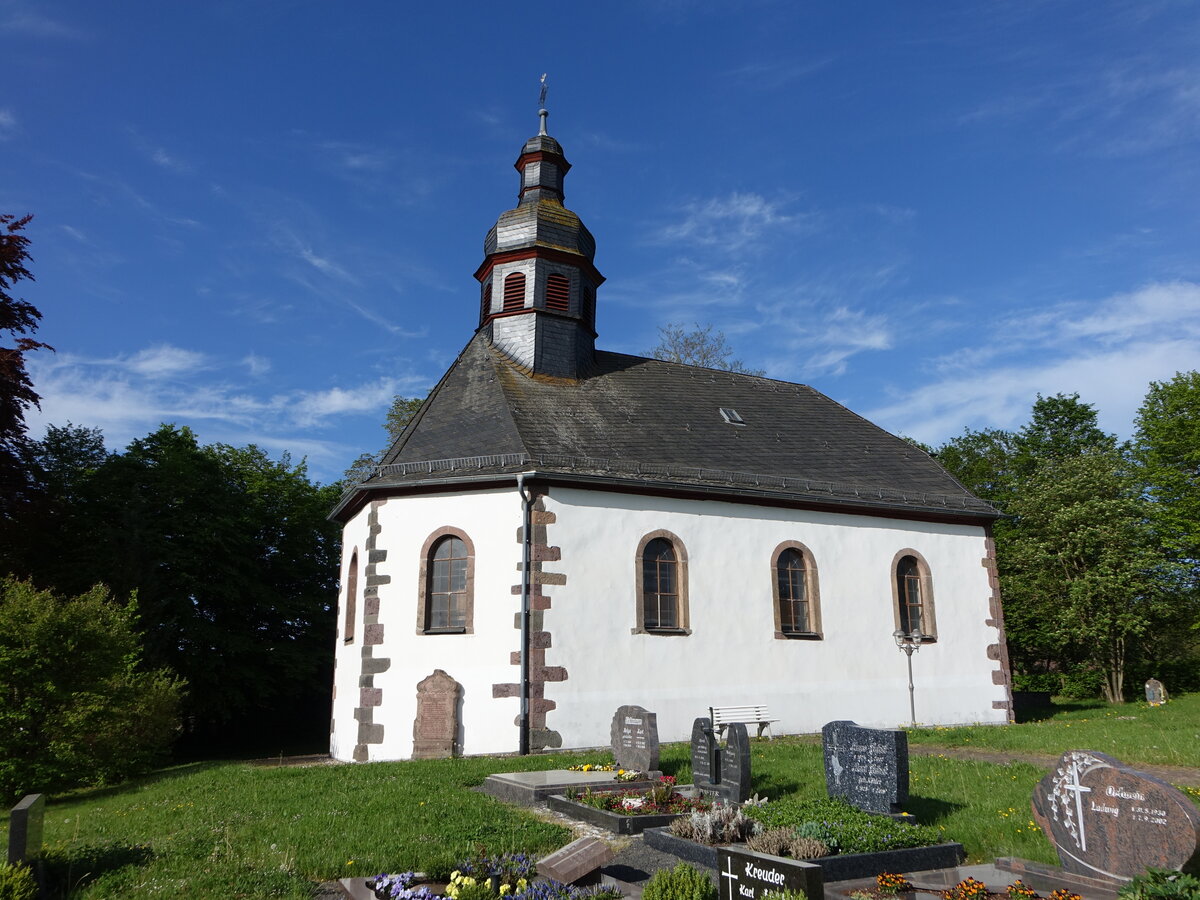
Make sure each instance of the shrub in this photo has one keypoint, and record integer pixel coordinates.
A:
(786, 842)
(785, 894)
(74, 706)
(681, 883)
(1161, 884)
(721, 824)
(17, 882)
(841, 827)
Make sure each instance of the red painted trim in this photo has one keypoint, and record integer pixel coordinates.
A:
(537, 156)
(560, 256)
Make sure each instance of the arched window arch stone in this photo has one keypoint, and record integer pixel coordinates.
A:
(446, 584)
(795, 592)
(662, 585)
(912, 595)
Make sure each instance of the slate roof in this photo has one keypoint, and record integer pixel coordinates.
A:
(650, 423)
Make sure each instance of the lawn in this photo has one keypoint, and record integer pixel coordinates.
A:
(1134, 733)
(228, 830)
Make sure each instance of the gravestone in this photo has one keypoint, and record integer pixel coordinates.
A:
(25, 829)
(735, 764)
(1156, 694)
(706, 755)
(579, 861)
(1109, 820)
(866, 766)
(435, 730)
(634, 736)
(747, 876)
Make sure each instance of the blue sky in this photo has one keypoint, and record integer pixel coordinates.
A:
(260, 219)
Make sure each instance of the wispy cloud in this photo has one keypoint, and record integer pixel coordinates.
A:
(1108, 351)
(769, 75)
(732, 222)
(28, 23)
(8, 124)
(130, 394)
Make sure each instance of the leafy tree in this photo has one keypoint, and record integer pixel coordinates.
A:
(17, 318)
(983, 461)
(75, 706)
(1167, 449)
(400, 413)
(698, 347)
(1059, 427)
(233, 561)
(1083, 576)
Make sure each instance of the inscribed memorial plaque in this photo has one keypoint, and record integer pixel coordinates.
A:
(706, 756)
(866, 766)
(1106, 819)
(735, 764)
(435, 730)
(1156, 694)
(634, 736)
(747, 876)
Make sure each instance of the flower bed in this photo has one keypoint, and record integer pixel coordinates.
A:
(845, 842)
(482, 877)
(629, 811)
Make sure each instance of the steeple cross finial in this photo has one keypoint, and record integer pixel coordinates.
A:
(542, 111)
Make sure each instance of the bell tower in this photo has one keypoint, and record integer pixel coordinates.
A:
(537, 280)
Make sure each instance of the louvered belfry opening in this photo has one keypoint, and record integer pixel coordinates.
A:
(514, 291)
(558, 293)
(486, 303)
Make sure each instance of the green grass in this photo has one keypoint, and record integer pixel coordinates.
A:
(1134, 733)
(228, 830)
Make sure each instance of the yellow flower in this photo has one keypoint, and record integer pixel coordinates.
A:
(504, 889)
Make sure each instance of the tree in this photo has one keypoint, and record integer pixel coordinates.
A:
(983, 461)
(75, 705)
(698, 347)
(17, 318)
(1167, 449)
(1084, 576)
(399, 414)
(234, 564)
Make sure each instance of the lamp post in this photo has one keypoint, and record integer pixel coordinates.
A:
(910, 644)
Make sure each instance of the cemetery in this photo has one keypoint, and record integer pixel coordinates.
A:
(1085, 824)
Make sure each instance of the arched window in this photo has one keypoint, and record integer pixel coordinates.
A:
(912, 591)
(485, 305)
(514, 291)
(796, 593)
(351, 606)
(662, 589)
(558, 292)
(447, 583)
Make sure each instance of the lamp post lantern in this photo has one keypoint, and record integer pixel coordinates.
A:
(910, 644)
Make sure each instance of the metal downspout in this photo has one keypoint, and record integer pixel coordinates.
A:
(526, 544)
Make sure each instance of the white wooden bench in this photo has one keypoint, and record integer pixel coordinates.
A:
(723, 716)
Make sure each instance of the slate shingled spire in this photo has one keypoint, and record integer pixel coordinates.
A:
(537, 280)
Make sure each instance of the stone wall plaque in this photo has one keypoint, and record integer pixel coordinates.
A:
(735, 764)
(747, 876)
(1106, 819)
(634, 736)
(866, 766)
(435, 730)
(706, 756)
(25, 828)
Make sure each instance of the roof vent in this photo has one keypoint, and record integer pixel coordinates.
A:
(731, 416)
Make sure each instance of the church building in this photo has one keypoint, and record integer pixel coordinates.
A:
(562, 530)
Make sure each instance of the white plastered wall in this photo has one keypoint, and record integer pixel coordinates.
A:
(730, 658)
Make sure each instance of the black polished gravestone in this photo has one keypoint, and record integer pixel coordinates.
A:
(706, 755)
(747, 876)
(866, 766)
(25, 829)
(634, 736)
(735, 764)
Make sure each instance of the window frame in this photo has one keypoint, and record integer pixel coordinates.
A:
(682, 613)
(350, 606)
(925, 586)
(812, 592)
(425, 574)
